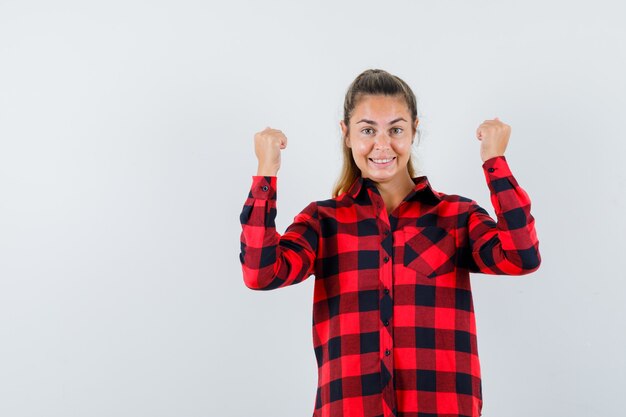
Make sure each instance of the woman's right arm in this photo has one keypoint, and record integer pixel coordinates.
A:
(269, 260)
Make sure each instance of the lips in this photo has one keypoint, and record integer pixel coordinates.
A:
(381, 158)
(382, 164)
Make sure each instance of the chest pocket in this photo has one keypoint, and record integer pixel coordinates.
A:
(430, 250)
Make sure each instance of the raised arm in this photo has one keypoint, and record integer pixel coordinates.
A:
(510, 246)
(269, 260)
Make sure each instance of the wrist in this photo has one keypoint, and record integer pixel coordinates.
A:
(266, 172)
(486, 158)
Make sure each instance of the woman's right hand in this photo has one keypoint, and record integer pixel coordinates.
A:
(267, 146)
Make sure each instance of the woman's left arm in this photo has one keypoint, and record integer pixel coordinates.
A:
(510, 246)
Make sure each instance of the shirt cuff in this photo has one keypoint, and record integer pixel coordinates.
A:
(496, 167)
(263, 187)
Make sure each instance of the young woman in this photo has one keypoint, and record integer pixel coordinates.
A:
(394, 331)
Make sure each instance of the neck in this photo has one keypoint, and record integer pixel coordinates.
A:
(393, 192)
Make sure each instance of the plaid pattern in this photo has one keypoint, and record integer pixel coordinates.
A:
(394, 331)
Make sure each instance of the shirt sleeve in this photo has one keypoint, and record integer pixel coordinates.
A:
(510, 246)
(269, 260)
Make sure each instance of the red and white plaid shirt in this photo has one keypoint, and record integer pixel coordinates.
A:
(394, 331)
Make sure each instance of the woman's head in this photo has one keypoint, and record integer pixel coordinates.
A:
(371, 130)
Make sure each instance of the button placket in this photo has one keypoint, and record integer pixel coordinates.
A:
(386, 303)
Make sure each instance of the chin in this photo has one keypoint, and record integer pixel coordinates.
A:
(381, 176)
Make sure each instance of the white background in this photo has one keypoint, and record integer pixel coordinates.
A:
(126, 154)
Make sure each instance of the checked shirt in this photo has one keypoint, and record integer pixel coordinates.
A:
(394, 331)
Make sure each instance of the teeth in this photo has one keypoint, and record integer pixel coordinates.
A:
(382, 161)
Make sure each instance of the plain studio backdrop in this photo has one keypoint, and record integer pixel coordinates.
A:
(126, 156)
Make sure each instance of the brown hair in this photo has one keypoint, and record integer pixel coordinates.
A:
(371, 82)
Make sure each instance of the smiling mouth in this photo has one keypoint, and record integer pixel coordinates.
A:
(382, 160)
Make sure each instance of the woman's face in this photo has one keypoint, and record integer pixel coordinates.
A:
(380, 137)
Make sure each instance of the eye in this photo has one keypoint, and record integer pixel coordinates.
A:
(398, 128)
(367, 128)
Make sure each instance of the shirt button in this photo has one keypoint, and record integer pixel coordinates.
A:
(386, 290)
(386, 323)
(491, 170)
(386, 232)
(387, 352)
(386, 259)
(265, 188)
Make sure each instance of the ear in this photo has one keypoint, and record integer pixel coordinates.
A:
(415, 129)
(344, 133)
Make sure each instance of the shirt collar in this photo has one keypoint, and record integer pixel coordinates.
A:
(421, 184)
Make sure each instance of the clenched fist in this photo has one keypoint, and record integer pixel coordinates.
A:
(494, 136)
(267, 146)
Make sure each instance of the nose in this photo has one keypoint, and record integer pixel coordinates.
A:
(382, 141)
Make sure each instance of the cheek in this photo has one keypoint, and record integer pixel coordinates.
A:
(361, 149)
(403, 147)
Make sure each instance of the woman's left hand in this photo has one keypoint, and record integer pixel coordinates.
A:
(494, 136)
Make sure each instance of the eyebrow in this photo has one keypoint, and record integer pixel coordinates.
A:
(374, 123)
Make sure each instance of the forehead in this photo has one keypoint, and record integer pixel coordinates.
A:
(381, 107)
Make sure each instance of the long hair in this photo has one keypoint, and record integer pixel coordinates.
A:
(371, 82)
